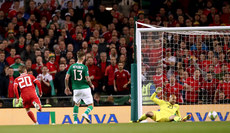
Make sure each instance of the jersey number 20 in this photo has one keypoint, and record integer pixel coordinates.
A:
(25, 82)
(79, 72)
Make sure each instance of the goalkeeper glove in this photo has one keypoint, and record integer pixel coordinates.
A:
(158, 89)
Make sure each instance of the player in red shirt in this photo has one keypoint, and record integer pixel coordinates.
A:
(192, 86)
(28, 93)
(121, 80)
(174, 88)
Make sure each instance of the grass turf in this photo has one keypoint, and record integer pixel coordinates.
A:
(173, 127)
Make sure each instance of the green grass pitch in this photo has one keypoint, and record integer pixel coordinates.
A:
(173, 127)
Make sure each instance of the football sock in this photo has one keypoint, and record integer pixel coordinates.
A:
(31, 115)
(177, 119)
(90, 108)
(75, 112)
(143, 117)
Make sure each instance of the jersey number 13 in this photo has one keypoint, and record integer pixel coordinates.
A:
(77, 74)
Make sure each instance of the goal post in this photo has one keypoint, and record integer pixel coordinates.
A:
(159, 34)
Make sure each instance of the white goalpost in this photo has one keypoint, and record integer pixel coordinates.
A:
(165, 55)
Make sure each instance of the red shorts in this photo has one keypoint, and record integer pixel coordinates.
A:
(28, 101)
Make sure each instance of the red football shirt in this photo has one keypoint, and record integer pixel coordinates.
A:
(175, 89)
(52, 67)
(210, 87)
(159, 79)
(37, 68)
(103, 67)
(10, 60)
(110, 73)
(25, 83)
(192, 96)
(94, 71)
(225, 87)
(122, 78)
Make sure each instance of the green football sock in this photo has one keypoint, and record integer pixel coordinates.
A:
(143, 117)
(75, 112)
(90, 108)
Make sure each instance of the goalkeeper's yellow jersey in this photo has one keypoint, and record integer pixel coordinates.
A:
(166, 108)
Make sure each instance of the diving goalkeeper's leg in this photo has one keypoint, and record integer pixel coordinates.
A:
(145, 116)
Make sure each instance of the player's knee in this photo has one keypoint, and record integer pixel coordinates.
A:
(149, 114)
(171, 118)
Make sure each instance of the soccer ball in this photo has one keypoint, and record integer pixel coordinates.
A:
(212, 115)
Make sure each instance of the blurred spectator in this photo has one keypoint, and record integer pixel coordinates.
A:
(216, 21)
(10, 59)
(101, 14)
(59, 80)
(52, 65)
(20, 45)
(192, 86)
(211, 15)
(3, 78)
(160, 78)
(174, 88)
(208, 61)
(108, 85)
(122, 80)
(124, 7)
(38, 65)
(224, 69)
(203, 20)
(208, 88)
(8, 83)
(224, 87)
(85, 47)
(71, 62)
(29, 40)
(102, 64)
(46, 55)
(94, 74)
(15, 66)
(28, 65)
(46, 83)
(95, 53)
(225, 15)
(3, 62)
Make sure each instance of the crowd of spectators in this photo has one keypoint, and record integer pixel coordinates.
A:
(46, 36)
(195, 66)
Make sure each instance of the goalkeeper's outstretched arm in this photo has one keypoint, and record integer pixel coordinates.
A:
(153, 97)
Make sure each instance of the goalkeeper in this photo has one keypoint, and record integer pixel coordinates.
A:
(169, 111)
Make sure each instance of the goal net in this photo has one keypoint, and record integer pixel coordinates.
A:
(189, 62)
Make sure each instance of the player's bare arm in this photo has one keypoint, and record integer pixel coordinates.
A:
(67, 90)
(89, 82)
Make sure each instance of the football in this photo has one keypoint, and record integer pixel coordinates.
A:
(212, 115)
